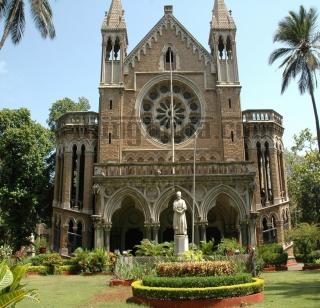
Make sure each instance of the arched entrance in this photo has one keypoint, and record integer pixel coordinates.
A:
(222, 220)
(127, 226)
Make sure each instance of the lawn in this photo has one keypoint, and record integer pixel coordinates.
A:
(283, 289)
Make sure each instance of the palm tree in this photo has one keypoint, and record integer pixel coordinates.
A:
(301, 55)
(13, 13)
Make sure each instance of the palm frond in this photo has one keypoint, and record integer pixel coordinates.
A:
(3, 7)
(43, 17)
(15, 20)
(279, 53)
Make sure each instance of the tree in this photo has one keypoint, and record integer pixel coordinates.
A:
(62, 106)
(14, 14)
(301, 57)
(304, 177)
(25, 179)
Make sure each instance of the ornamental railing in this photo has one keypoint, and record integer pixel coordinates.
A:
(78, 118)
(262, 115)
(162, 169)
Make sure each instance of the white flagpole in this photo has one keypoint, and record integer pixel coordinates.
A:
(194, 184)
(172, 112)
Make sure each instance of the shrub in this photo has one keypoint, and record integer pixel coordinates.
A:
(314, 255)
(207, 248)
(196, 282)
(317, 261)
(52, 261)
(208, 268)
(192, 255)
(152, 248)
(273, 254)
(5, 252)
(81, 260)
(112, 259)
(41, 269)
(229, 246)
(39, 259)
(138, 289)
(98, 261)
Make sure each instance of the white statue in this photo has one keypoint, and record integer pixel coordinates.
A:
(179, 216)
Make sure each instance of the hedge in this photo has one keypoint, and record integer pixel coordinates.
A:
(196, 282)
(41, 269)
(183, 269)
(138, 289)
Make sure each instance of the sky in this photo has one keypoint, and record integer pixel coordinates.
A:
(37, 72)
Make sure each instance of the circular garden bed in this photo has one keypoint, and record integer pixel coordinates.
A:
(198, 284)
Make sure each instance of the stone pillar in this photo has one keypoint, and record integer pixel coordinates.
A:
(51, 235)
(196, 234)
(274, 166)
(56, 181)
(64, 240)
(78, 162)
(203, 227)
(85, 238)
(67, 172)
(280, 232)
(156, 233)
(107, 230)
(238, 228)
(98, 231)
(147, 231)
(87, 191)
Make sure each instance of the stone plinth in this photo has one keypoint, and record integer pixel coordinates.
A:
(181, 244)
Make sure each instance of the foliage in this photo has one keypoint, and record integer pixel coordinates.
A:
(196, 282)
(40, 242)
(317, 261)
(192, 255)
(99, 260)
(13, 13)
(81, 260)
(304, 186)
(25, 179)
(112, 259)
(5, 252)
(229, 246)
(305, 237)
(52, 261)
(301, 54)
(207, 248)
(152, 248)
(41, 269)
(11, 289)
(131, 268)
(139, 289)
(273, 254)
(207, 268)
(64, 105)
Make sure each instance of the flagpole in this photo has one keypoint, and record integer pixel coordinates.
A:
(172, 112)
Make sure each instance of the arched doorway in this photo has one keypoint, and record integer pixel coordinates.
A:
(222, 220)
(127, 226)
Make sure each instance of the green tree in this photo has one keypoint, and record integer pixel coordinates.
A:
(65, 105)
(301, 56)
(13, 13)
(304, 177)
(25, 179)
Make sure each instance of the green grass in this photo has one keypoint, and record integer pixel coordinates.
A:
(282, 289)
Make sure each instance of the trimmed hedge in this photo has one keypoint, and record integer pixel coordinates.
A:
(273, 254)
(138, 289)
(185, 269)
(196, 282)
(41, 269)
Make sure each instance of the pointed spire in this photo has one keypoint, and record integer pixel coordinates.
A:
(114, 19)
(222, 18)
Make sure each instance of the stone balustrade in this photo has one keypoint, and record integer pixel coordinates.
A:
(78, 118)
(162, 169)
(262, 115)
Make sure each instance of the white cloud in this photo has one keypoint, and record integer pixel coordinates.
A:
(3, 68)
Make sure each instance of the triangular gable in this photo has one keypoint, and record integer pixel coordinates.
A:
(168, 21)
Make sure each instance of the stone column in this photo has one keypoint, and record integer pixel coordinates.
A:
(98, 231)
(280, 232)
(238, 228)
(67, 172)
(203, 227)
(274, 166)
(147, 231)
(107, 230)
(64, 240)
(78, 162)
(56, 181)
(196, 234)
(51, 236)
(156, 232)
(87, 191)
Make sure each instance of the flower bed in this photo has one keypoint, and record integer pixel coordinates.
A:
(165, 293)
(275, 268)
(183, 269)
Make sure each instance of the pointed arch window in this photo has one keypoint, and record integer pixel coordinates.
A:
(74, 176)
(170, 60)
(268, 172)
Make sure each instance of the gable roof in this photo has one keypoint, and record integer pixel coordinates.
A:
(168, 21)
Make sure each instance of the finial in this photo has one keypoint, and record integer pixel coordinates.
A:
(168, 9)
(230, 12)
(106, 13)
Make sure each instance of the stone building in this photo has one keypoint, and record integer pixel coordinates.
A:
(117, 170)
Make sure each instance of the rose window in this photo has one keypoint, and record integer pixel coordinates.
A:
(155, 112)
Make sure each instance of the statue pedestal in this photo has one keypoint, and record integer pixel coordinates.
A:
(181, 244)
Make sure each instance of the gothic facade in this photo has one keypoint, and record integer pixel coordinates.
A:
(169, 120)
